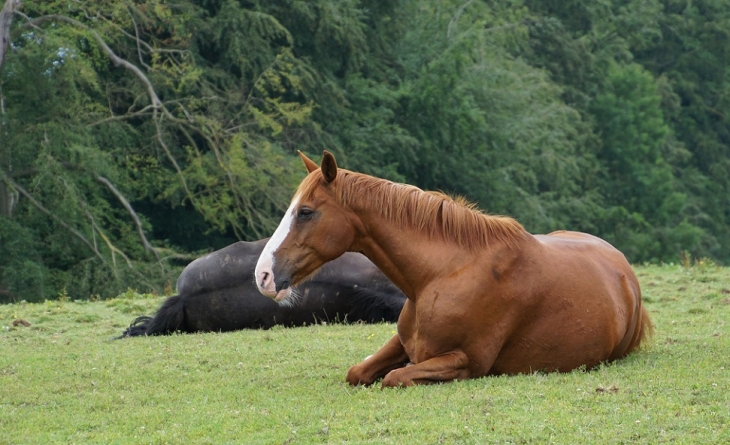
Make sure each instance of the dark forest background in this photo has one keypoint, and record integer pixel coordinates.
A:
(137, 134)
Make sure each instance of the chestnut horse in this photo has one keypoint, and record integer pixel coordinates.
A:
(484, 296)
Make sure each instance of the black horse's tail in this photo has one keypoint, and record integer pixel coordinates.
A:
(170, 318)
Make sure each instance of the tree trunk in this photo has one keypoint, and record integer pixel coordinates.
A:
(7, 200)
(6, 17)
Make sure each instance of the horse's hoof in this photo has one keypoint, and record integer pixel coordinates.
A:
(356, 378)
(391, 380)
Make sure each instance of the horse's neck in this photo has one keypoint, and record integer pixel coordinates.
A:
(411, 260)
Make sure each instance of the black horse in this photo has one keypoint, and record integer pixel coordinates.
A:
(216, 293)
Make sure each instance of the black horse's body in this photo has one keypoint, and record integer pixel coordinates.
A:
(217, 293)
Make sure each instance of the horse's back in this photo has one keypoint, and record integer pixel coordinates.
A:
(584, 253)
(568, 239)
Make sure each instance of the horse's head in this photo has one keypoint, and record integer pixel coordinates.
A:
(315, 229)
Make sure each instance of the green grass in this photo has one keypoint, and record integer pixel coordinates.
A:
(62, 380)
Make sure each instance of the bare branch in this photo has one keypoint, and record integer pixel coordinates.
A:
(143, 112)
(40, 207)
(8, 199)
(132, 213)
(162, 117)
(168, 153)
(116, 60)
(138, 41)
(141, 43)
(456, 17)
(114, 250)
(157, 104)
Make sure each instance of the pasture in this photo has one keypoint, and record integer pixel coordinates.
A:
(63, 380)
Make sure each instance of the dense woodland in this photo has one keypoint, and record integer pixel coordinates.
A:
(137, 134)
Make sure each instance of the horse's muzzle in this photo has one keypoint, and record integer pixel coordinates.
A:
(281, 284)
(265, 283)
(271, 287)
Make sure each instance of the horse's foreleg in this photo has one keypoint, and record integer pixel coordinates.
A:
(437, 369)
(391, 356)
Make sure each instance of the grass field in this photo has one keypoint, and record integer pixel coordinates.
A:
(63, 381)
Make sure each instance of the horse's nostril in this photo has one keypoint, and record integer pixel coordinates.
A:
(264, 279)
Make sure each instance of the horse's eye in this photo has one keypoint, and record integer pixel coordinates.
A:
(305, 213)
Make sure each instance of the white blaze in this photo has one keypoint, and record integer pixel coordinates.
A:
(264, 272)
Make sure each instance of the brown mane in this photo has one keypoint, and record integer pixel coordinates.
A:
(435, 213)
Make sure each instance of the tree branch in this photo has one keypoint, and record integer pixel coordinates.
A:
(40, 207)
(132, 213)
(116, 60)
(157, 104)
(162, 116)
(138, 41)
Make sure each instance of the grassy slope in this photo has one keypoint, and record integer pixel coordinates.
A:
(62, 380)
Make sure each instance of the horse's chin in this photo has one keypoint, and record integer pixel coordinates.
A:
(283, 295)
(288, 297)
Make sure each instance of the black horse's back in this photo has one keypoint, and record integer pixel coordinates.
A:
(170, 318)
(377, 307)
(227, 268)
(217, 293)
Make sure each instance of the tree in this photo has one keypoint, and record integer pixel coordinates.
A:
(6, 18)
(146, 132)
(107, 106)
(616, 63)
(489, 126)
(646, 216)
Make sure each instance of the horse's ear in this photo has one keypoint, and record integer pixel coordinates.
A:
(311, 166)
(329, 167)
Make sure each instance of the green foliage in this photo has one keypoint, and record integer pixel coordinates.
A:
(22, 269)
(624, 67)
(648, 220)
(608, 117)
(170, 133)
(490, 126)
(693, 57)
